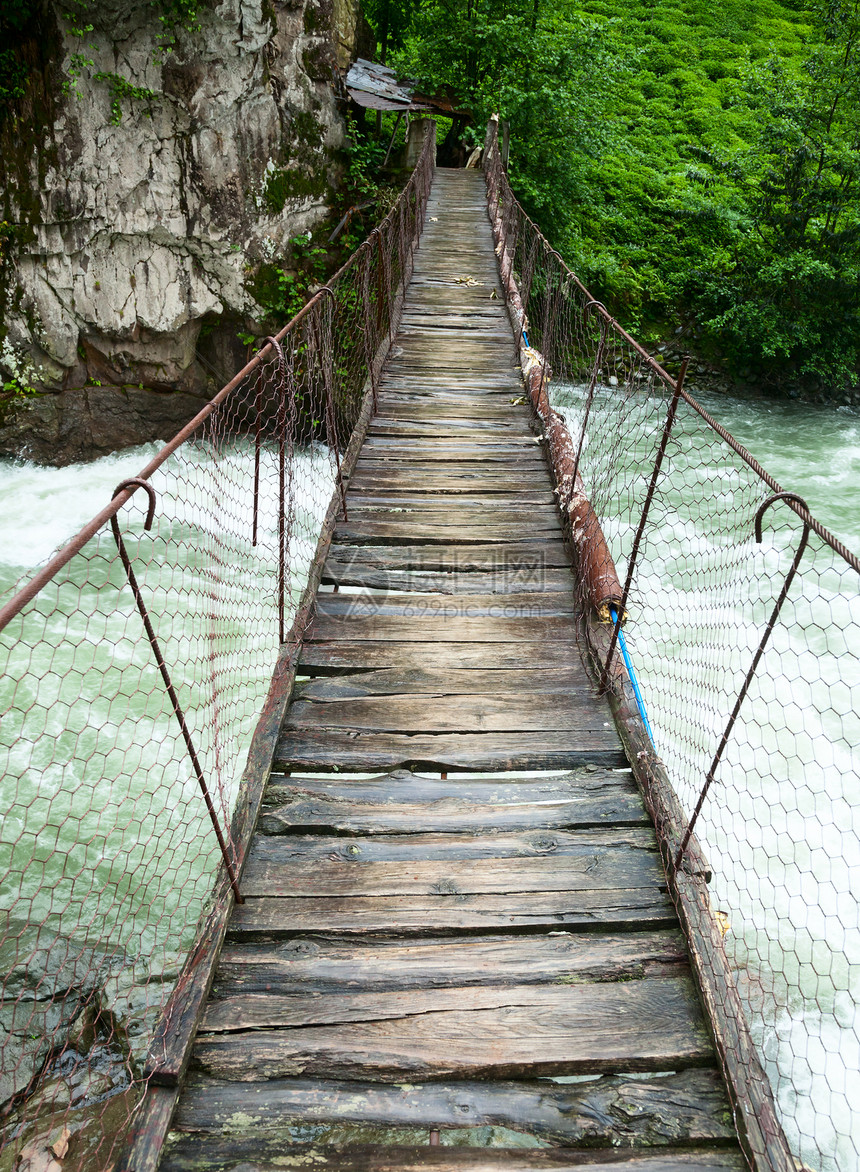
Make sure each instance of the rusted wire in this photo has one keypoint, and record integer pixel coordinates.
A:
(165, 674)
(643, 521)
(766, 634)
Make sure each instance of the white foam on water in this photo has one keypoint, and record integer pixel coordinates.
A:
(781, 825)
(97, 788)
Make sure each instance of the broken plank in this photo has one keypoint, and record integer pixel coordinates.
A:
(569, 681)
(327, 750)
(540, 1030)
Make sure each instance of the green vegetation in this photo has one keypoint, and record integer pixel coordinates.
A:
(290, 182)
(283, 290)
(121, 89)
(697, 163)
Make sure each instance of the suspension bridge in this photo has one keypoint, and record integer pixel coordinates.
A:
(464, 918)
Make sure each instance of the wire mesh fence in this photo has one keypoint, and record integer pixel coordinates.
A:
(134, 669)
(768, 803)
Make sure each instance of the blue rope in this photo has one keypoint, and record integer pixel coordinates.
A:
(640, 703)
(525, 338)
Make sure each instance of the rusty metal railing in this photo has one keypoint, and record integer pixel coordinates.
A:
(749, 663)
(136, 664)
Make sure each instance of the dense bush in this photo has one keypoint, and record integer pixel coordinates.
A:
(698, 163)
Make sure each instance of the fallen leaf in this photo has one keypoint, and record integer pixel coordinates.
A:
(33, 1159)
(61, 1145)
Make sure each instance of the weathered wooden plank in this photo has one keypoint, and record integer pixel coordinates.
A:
(515, 555)
(518, 452)
(320, 657)
(524, 466)
(421, 384)
(479, 431)
(359, 751)
(255, 1155)
(143, 1145)
(291, 809)
(425, 626)
(493, 790)
(474, 506)
(686, 1107)
(462, 518)
(275, 1010)
(651, 1024)
(364, 603)
(454, 682)
(298, 852)
(453, 449)
(408, 529)
(591, 868)
(468, 329)
(430, 456)
(446, 487)
(485, 480)
(507, 412)
(607, 909)
(499, 580)
(452, 714)
(331, 966)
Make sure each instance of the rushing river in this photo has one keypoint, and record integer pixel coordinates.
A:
(107, 857)
(780, 823)
(812, 450)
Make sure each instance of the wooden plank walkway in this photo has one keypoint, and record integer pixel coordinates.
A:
(492, 957)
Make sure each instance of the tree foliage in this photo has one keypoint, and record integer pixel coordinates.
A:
(791, 300)
(696, 163)
(539, 65)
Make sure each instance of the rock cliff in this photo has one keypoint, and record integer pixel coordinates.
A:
(129, 247)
